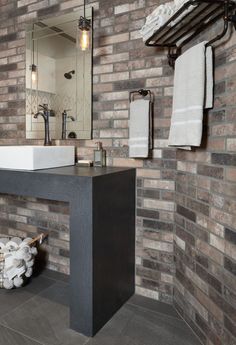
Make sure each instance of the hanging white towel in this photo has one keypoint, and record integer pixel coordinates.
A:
(193, 91)
(139, 128)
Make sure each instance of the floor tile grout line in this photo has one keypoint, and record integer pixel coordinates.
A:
(22, 304)
(157, 312)
(192, 330)
(129, 321)
(22, 334)
(55, 279)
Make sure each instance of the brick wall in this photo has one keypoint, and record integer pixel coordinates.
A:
(121, 64)
(205, 235)
(200, 235)
(27, 216)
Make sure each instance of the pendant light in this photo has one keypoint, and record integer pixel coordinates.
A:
(33, 67)
(84, 31)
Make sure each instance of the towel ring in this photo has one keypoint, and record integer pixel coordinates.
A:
(141, 92)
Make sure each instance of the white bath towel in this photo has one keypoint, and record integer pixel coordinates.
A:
(193, 91)
(139, 128)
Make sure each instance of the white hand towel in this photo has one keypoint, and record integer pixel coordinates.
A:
(193, 91)
(139, 128)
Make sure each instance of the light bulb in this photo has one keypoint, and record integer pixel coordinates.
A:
(84, 40)
(34, 76)
(34, 73)
(84, 32)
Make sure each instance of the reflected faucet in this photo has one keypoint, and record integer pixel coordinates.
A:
(45, 113)
(64, 119)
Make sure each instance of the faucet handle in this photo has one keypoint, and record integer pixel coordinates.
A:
(44, 106)
(65, 110)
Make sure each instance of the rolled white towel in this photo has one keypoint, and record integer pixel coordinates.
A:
(34, 251)
(29, 272)
(26, 240)
(17, 263)
(12, 272)
(17, 240)
(11, 245)
(3, 242)
(18, 282)
(29, 263)
(23, 253)
(8, 284)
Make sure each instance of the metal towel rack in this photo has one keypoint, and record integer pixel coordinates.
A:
(141, 92)
(192, 23)
(144, 93)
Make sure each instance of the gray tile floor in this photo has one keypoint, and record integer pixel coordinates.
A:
(39, 314)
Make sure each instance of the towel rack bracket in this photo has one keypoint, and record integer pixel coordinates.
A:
(141, 92)
(232, 19)
(173, 54)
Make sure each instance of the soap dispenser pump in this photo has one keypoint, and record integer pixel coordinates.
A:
(99, 156)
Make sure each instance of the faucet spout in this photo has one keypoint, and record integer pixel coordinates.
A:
(45, 113)
(64, 119)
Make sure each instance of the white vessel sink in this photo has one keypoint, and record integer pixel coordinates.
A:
(36, 157)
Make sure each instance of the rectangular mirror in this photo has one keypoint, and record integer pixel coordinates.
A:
(59, 75)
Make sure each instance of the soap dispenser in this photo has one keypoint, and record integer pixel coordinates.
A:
(99, 156)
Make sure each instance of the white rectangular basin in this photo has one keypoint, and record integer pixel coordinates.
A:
(36, 157)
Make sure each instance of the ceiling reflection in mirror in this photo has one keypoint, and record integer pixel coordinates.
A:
(58, 75)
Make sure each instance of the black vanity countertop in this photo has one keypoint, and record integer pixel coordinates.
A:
(71, 171)
(57, 183)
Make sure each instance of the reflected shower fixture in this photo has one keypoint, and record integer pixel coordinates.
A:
(68, 75)
(84, 27)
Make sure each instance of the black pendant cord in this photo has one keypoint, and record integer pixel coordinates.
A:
(33, 42)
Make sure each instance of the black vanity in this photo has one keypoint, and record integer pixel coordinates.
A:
(102, 234)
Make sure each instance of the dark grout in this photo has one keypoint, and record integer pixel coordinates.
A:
(154, 306)
(22, 334)
(157, 312)
(56, 276)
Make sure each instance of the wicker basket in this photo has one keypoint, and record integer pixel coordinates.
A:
(23, 277)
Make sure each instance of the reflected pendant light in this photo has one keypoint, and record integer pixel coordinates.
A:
(33, 67)
(34, 73)
(84, 27)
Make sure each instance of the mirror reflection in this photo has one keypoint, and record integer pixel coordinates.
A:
(58, 78)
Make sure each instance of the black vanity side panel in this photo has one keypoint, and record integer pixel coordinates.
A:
(113, 243)
(81, 258)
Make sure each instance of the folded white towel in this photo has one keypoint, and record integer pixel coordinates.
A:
(179, 3)
(149, 30)
(157, 19)
(161, 15)
(193, 91)
(139, 128)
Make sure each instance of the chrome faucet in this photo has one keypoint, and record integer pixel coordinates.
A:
(64, 119)
(45, 113)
